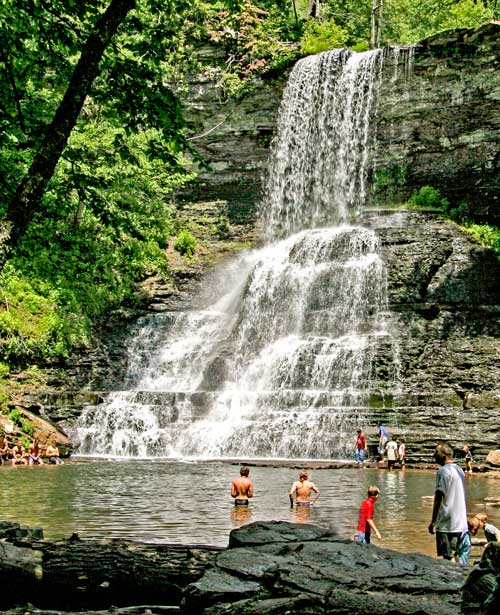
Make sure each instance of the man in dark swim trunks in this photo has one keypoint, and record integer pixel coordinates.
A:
(302, 489)
(242, 488)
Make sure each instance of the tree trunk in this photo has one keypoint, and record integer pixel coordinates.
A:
(26, 201)
(373, 24)
(78, 574)
(380, 22)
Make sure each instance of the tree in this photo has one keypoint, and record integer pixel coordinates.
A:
(27, 198)
(376, 23)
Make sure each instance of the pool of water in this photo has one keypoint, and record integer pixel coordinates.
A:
(173, 502)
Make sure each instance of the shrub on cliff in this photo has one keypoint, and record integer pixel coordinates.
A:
(428, 197)
(185, 243)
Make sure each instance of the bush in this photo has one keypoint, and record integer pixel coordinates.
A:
(427, 196)
(324, 36)
(28, 427)
(185, 244)
(485, 234)
(15, 417)
(461, 213)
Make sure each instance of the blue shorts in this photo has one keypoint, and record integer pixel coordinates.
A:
(360, 455)
(362, 537)
(463, 548)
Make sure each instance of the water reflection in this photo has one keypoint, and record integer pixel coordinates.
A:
(300, 514)
(154, 502)
(241, 515)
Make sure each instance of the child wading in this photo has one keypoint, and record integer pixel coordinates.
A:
(365, 519)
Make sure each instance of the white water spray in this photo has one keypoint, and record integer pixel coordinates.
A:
(281, 364)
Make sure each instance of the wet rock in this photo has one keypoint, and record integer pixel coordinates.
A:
(304, 569)
(493, 458)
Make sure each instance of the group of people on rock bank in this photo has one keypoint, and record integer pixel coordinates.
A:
(394, 450)
(33, 455)
(449, 522)
(387, 445)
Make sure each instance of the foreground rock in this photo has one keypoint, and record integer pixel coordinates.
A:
(79, 574)
(280, 567)
(481, 591)
(269, 568)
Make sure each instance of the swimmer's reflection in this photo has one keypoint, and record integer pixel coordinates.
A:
(241, 515)
(300, 514)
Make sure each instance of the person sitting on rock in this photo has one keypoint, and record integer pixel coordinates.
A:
(34, 453)
(19, 455)
(4, 449)
(52, 452)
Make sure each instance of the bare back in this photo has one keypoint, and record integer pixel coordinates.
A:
(303, 490)
(242, 488)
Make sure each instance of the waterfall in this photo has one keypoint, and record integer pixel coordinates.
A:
(280, 363)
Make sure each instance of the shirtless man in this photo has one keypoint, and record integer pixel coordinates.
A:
(52, 452)
(4, 449)
(302, 489)
(242, 488)
(18, 455)
(34, 453)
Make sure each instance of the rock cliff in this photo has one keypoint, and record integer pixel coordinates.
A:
(444, 300)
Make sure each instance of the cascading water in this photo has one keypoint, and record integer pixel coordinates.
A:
(280, 365)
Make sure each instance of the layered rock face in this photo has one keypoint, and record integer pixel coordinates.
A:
(444, 299)
(438, 121)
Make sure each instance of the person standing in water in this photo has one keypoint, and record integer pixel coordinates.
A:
(361, 448)
(449, 512)
(302, 489)
(242, 488)
(402, 453)
(382, 440)
(365, 518)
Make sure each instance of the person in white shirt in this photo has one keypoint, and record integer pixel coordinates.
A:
(449, 513)
(391, 448)
(402, 453)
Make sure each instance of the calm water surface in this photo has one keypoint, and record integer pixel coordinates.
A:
(172, 502)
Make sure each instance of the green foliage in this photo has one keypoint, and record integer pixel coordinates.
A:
(185, 243)
(428, 197)
(461, 213)
(388, 182)
(15, 417)
(324, 36)
(485, 234)
(30, 323)
(27, 427)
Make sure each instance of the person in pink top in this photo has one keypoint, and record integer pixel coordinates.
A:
(365, 520)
